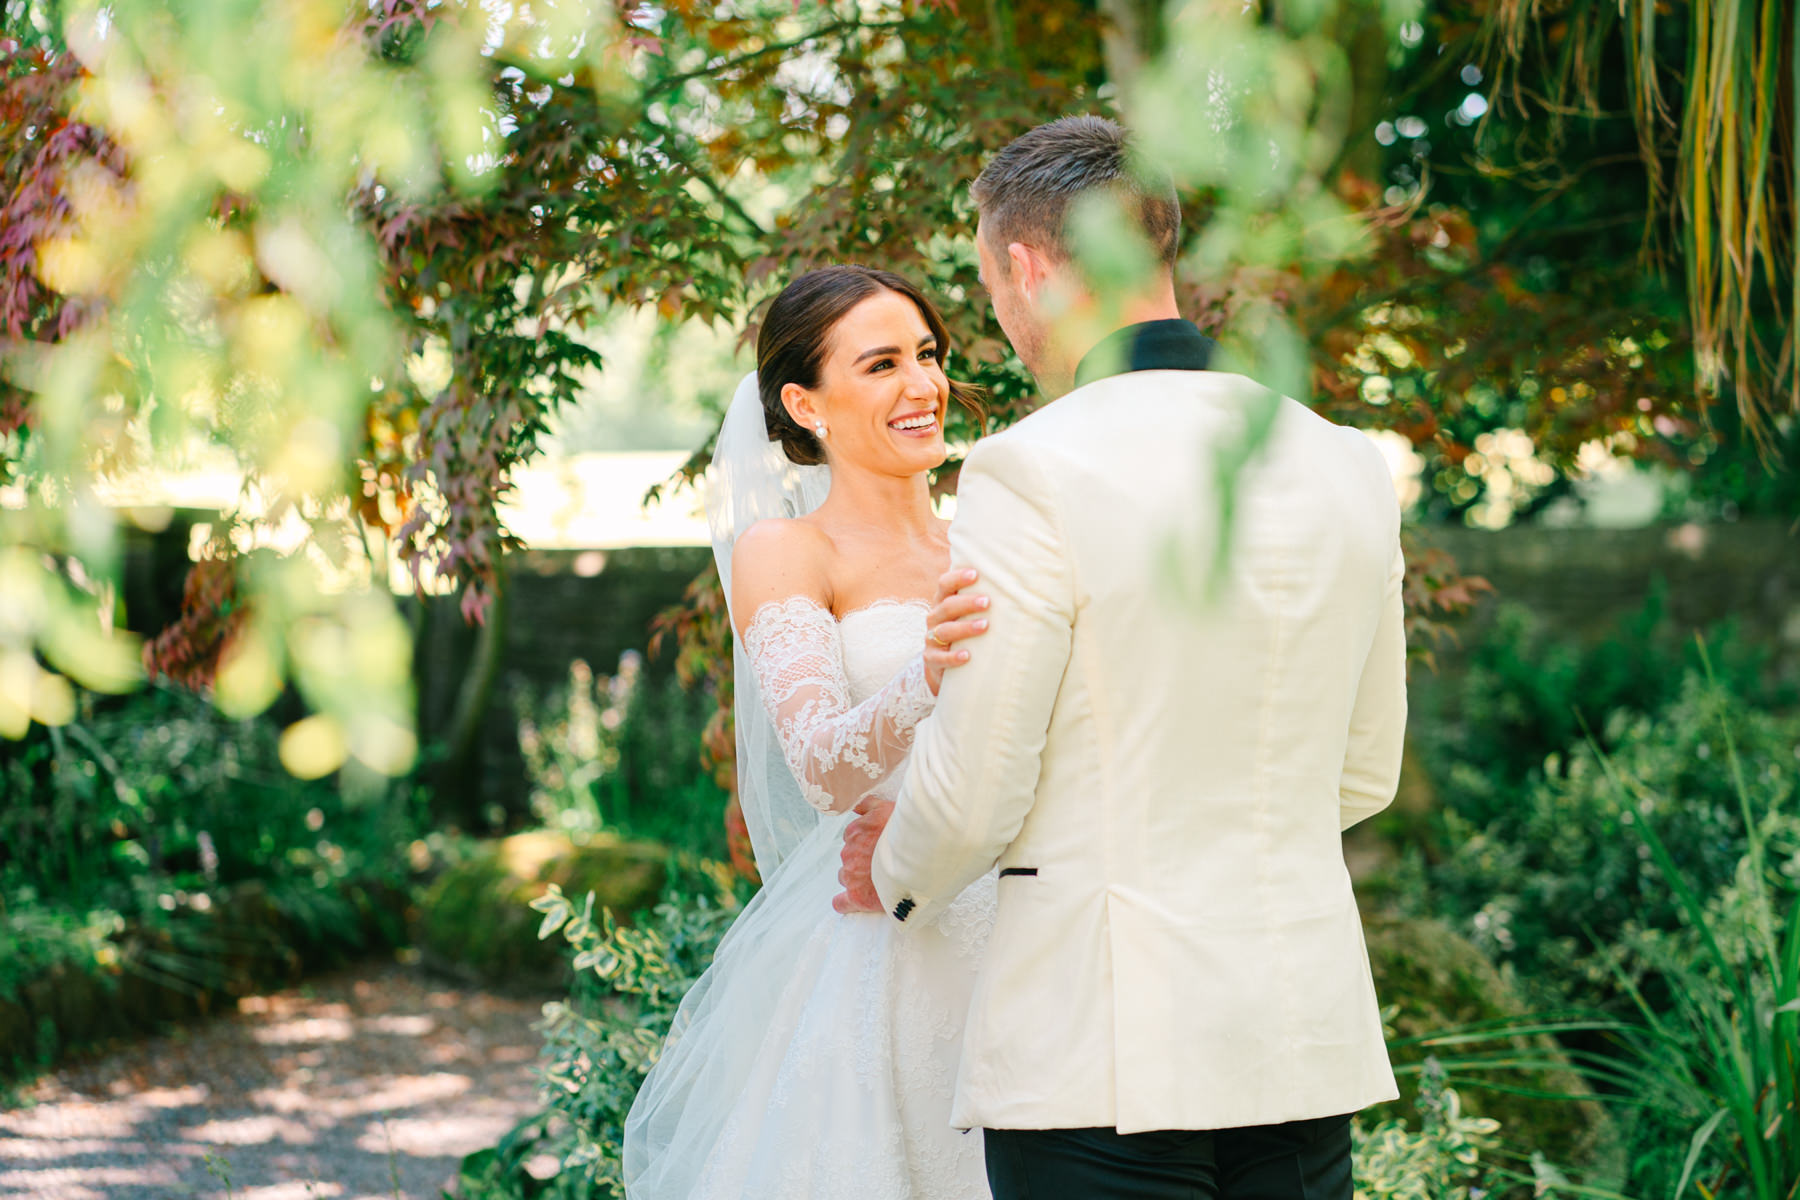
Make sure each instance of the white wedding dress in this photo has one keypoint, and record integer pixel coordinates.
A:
(816, 1058)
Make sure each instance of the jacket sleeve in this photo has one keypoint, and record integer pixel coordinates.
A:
(1378, 718)
(975, 763)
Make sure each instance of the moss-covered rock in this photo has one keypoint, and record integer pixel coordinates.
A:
(1440, 981)
(475, 920)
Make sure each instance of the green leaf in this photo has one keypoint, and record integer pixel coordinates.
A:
(552, 922)
(1695, 1147)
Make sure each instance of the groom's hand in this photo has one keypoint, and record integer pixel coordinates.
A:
(858, 854)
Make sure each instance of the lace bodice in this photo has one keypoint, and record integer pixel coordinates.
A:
(845, 695)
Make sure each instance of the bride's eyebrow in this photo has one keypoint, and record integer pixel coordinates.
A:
(923, 342)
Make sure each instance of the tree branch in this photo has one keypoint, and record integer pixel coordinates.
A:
(672, 82)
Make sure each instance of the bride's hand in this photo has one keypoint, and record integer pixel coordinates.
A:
(952, 619)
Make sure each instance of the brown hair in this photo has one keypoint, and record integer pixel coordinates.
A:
(791, 346)
(1025, 191)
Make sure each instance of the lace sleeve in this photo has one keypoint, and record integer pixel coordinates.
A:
(838, 751)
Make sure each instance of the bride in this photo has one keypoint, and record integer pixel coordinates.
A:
(816, 1057)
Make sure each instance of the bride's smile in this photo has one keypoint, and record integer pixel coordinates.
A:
(924, 424)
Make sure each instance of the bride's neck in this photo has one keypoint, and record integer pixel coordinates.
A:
(901, 503)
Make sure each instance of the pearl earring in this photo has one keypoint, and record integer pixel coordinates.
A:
(820, 429)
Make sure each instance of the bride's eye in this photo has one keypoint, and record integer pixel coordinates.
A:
(880, 364)
(930, 354)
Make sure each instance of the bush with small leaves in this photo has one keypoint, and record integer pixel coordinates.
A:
(601, 1042)
(1440, 1160)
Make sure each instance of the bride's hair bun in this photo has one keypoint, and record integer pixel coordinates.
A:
(792, 344)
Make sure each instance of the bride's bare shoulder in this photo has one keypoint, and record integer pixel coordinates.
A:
(779, 559)
(781, 540)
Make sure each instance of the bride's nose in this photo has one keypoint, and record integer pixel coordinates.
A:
(918, 382)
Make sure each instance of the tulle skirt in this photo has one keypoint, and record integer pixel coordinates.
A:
(816, 1059)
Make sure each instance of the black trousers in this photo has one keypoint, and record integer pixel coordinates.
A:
(1299, 1160)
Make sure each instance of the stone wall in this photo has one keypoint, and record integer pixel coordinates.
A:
(561, 605)
(1584, 581)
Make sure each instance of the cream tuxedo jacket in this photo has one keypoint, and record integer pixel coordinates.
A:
(1163, 771)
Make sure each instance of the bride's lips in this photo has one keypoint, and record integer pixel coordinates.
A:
(916, 425)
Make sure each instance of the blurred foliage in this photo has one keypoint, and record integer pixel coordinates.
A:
(366, 252)
(1529, 691)
(1735, 480)
(1434, 593)
(624, 753)
(160, 786)
(1540, 867)
(701, 628)
(360, 254)
(474, 920)
(151, 812)
(1713, 1056)
(1714, 108)
(1678, 908)
(188, 272)
(1636, 157)
(1437, 982)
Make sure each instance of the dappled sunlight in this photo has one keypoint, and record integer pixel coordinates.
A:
(312, 1093)
(47, 1148)
(250, 1131)
(83, 1183)
(406, 1026)
(403, 1092)
(288, 1033)
(298, 1190)
(174, 1097)
(62, 1117)
(425, 1137)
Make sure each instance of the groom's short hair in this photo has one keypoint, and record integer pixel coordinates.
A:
(1024, 193)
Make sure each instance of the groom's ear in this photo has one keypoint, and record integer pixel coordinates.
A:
(1029, 269)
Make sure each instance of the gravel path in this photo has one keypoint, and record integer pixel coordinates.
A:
(367, 1083)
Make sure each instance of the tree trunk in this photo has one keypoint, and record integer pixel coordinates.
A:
(458, 786)
(1356, 26)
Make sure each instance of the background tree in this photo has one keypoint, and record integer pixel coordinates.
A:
(362, 256)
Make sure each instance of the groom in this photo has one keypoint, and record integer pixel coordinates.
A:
(1176, 1000)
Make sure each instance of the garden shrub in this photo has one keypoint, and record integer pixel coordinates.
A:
(1435, 980)
(160, 786)
(1661, 880)
(1556, 875)
(155, 840)
(1439, 1160)
(1528, 694)
(624, 753)
(1710, 1060)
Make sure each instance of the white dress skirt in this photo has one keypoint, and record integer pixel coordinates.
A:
(816, 1058)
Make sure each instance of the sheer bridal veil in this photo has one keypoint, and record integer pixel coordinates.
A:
(686, 1103)
(750, 480)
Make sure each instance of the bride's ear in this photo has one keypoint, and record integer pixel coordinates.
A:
(800, 406)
